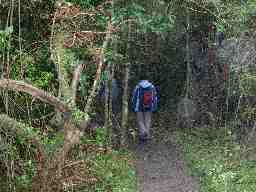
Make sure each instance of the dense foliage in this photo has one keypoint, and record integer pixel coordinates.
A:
(96, 168)
(48, 44)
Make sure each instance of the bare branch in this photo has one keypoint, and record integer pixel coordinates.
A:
(34, 92)
(93, 32)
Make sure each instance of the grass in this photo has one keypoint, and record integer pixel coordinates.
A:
(216, 159)
(114, 169)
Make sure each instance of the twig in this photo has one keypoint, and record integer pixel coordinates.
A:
(73, 164)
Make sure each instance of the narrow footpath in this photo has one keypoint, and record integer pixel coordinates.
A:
(160, 168)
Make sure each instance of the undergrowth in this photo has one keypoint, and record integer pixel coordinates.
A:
(93, 163)
(113, 170)
(217, 160)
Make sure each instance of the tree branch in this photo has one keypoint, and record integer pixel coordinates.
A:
(34, 92)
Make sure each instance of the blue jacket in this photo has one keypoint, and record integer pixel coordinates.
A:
(136, 97)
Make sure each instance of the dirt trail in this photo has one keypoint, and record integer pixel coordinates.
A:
(161, 168)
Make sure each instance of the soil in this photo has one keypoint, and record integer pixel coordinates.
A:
(161, 168)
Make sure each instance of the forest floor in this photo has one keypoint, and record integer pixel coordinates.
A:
(160, 164)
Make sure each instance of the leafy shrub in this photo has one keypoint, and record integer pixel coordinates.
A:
(17, 153)
(109, 170)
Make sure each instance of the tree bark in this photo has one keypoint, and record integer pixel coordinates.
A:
(64, 88)
(125, 98)
(71, 133)
(34, 92)
(188, 80)
(75, 82)
(99, 69)
(107, 97)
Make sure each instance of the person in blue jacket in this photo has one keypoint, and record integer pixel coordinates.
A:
(144, 102)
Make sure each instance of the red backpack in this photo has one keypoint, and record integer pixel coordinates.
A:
(147, 97)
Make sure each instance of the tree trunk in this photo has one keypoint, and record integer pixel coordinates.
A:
(188, 84)
(107, 92)
(109, 115)
(99, 70)
(75, 82)
(64, 88)
(71, 133)
(125, 99)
